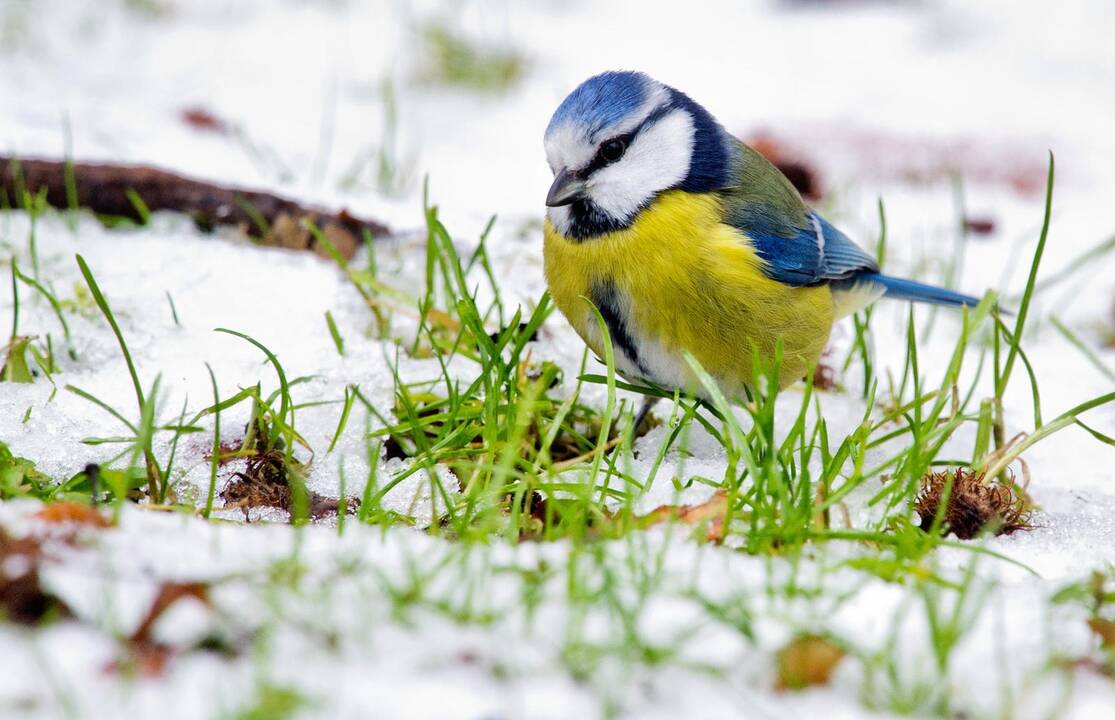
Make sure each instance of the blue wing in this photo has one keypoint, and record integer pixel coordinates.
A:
(798, 247)
(822, 254)
(808, 255)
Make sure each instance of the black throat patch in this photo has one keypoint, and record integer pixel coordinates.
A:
(586, 221)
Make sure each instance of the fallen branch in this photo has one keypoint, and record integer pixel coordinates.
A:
(113, 190)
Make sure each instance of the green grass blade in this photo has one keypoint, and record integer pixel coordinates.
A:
(102, 303)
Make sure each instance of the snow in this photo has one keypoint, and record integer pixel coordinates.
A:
(871, 91)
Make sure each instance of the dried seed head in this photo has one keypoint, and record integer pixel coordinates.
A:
(974, 504)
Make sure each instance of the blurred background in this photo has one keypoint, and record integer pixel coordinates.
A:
(945, 108)
(360, 100)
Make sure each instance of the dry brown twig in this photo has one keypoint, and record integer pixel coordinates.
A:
(105, 189)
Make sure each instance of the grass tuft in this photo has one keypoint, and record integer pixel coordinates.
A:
(453, 59)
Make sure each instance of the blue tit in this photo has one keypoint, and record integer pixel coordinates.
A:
(687, 240)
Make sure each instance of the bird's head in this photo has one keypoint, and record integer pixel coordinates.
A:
(618, 141)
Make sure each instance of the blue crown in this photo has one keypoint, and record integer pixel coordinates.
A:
(602, 101)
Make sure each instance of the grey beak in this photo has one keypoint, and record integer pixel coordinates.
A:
(565, 190)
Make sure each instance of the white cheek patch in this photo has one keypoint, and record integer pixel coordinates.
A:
(657, 159)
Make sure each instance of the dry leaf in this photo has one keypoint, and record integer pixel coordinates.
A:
(342, 240)
(288, 232)
(169, 593)
(712, 511)
(22, 598)
(201, 119)
(72, 513)
(979, 225)
(1104, 630)
(146, 656)
(807, 660)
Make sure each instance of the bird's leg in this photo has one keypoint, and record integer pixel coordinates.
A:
(649, 401)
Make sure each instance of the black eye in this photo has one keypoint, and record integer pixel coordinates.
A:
(612, 150)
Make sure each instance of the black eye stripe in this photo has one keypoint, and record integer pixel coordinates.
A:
(599, 161)
(657, 114)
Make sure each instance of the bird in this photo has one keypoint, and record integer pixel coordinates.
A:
(685, 241)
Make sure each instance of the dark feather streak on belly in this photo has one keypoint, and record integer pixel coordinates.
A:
(607, 301)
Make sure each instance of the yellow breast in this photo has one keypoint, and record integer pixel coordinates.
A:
(685, 281)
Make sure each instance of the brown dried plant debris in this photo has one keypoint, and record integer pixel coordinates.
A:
(975, 504)
(980, 226)
(825, 375)
(264, 483)
(204, 120)
(806, 661)
(22, 598)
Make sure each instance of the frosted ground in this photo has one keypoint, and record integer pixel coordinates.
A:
(396, 622)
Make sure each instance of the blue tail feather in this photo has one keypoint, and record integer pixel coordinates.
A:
(901, 289)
